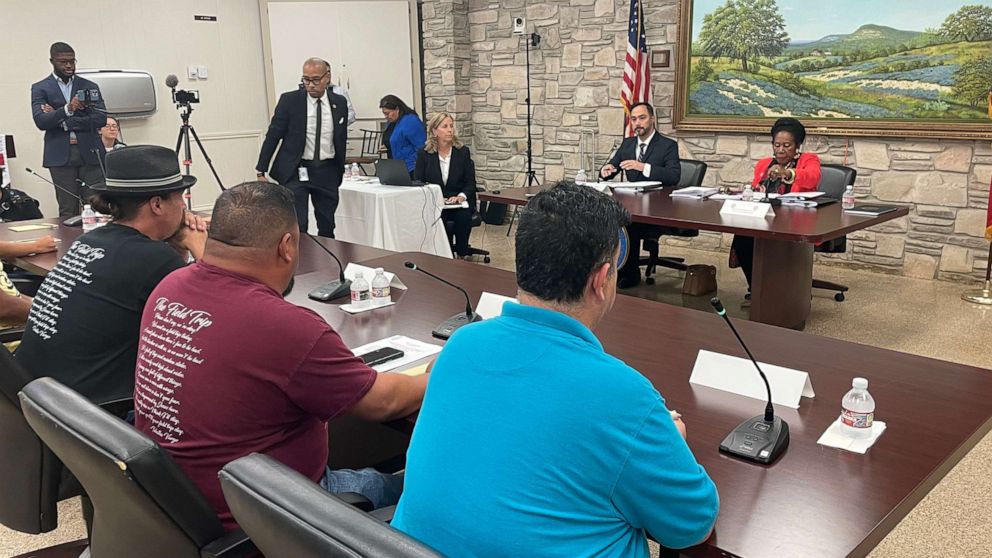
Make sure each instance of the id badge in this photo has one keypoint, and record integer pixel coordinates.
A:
(304, 175)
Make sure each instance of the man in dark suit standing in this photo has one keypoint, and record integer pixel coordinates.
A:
(70, 110)
(646, 156)
(312, 124)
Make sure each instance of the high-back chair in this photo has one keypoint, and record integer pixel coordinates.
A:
(287, 514)
(143, 503)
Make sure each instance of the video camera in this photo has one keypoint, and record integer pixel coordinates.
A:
(181, 97)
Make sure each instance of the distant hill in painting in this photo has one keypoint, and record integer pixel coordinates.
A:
(866, 37)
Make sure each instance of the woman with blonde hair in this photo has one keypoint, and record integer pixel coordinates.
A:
(444, 160)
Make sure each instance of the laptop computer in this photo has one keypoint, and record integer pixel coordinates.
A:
(392, 172)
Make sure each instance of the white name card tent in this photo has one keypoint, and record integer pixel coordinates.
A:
(368, 273)
(491, 305)
(738, 376)
(740, 208)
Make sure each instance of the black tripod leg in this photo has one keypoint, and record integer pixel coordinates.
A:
(179, 140)
(207, 158)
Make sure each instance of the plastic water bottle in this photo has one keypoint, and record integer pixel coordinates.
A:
(380, 289)
(847, 202)
(747, 194)
(580, 177)
(858, 410)
(355, 171)
(361, 296)
(89, 218)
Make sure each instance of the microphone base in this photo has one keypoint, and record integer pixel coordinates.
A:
(331, 290)
(448, 327)
(757, 440)
(75, 221)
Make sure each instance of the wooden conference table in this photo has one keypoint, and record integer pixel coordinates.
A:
(814, 501)
(783, 246)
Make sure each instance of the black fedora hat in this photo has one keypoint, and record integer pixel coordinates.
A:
(143, 170)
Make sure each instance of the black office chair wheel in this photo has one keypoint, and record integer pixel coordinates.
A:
(487, 259)
(649, 280)
(839, 297)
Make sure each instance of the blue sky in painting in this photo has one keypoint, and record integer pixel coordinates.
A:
(808, 21)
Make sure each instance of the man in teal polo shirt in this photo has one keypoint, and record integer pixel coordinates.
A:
(532, 441)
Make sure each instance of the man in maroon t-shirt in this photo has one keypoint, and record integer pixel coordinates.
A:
(227, 367)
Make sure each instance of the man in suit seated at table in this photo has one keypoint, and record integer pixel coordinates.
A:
(556, 446)
(646, 156)
(226, 367)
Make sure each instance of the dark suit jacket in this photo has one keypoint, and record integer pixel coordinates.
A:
(662, 154)
(84, 122)
(461, 172)
(289, 125)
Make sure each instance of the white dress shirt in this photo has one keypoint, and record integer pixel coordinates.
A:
(445, 165)
(645, 143)
(326, 128)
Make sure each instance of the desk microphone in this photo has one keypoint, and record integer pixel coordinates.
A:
(74, 221)
(762, 438)
(449, 326)
(333, 289)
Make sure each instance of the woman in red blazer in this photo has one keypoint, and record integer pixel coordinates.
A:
(788, 171)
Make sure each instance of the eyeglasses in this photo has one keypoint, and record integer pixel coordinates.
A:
(112, 126)
(313, 81)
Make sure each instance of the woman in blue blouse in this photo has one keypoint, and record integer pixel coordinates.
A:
(405, 134)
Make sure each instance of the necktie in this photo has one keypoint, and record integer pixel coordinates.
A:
(640, 154)
(316, 139)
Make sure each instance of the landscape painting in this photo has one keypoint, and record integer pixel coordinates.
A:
(861, 67)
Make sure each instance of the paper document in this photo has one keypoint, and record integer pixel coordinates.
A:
(836, 437)
(368, 273)
(33, 227)
(462, 205)
(698, 192)
(491, 305)
(641, 185)
(415, 371)
(413, 351)
(801, 195)
(352, 309)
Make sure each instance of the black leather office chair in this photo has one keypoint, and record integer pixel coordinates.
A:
(286, 514)
(144, 505)
(834, 179)
(33, 479)
(476, 223)
(692, 175)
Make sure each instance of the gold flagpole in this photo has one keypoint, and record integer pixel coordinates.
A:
(983, 295)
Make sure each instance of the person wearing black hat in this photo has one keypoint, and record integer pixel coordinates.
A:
(83, 326)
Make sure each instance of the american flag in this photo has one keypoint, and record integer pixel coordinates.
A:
(636, 72)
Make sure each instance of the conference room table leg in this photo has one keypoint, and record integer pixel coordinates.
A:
(782, 281)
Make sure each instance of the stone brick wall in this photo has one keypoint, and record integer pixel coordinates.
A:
(475, 68)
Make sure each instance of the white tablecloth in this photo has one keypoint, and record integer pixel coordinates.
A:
(403, 219)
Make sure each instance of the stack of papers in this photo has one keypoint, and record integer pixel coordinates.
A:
(640, 186)
(697, 192)
(413, 351)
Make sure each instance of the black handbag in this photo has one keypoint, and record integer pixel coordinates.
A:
(15, 205)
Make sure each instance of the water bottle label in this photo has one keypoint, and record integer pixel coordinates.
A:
(855, 419)
(359, 296)
(380, 292)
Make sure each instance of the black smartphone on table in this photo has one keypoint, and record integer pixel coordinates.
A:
(380, 356)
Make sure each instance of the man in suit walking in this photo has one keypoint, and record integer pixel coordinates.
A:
(312, 124)
(646, 156)
(70, 110)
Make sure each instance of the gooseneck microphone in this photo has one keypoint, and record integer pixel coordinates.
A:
(76, 220)
(333, 289)
(762, 438)
(448, 327)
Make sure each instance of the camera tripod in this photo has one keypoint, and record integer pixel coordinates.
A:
(185, 131)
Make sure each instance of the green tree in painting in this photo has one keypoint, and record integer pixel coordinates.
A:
(744, 30)
(972, 81)
(970, 23)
